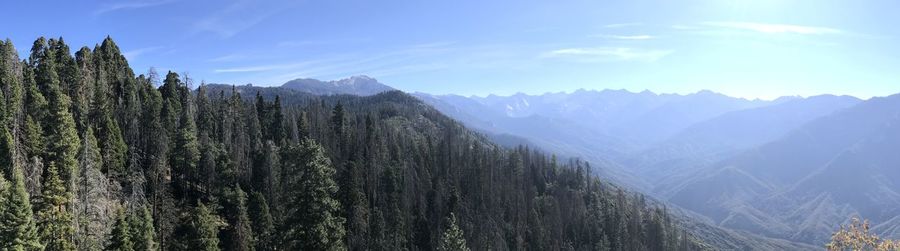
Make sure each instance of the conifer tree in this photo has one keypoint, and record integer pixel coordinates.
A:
(201, 230)
(7, 146)
(263, 225)
(17, 227)
(63, 141)
(185, 155)
(302, 126)
(312, 220)
(238, 234)
(54, 218)
(113, 145)
(143, 234)
(453, 238)
(121, 235)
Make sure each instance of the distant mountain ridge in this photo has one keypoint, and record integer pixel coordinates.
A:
(356, 85)
(754, 166)
(802, 185)
(684, 149)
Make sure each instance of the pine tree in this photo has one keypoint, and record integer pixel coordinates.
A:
(202, 230)
(7, 146)
(63, 140)
(186, 155)
(453, 238)
(113, 146)
(34, 142)
(355, 203)
(311, 212)
(121, 235)
(238, 234)
(302, 126)
(54, 218)
(17, 227)
(143, 234)
(263, 225)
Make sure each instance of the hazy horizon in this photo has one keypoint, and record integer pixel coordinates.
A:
(450, 125)
(748, 49)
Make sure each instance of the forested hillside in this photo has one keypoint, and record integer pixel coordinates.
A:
(93, 157)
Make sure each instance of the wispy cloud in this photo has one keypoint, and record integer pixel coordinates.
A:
(775, 28)
(302, 43)
(134, 54)
(602, 54)
(237, 17)
(129, 6)
(622, 25)
(230, 58)
(625, 37)
(684, 27)
(261, 68)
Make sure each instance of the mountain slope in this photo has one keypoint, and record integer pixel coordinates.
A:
(817, 175)
(356, 85)
(728, 134)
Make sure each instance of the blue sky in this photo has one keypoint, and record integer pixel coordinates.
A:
(745, 48)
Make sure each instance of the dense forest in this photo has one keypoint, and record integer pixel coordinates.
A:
(94, 157)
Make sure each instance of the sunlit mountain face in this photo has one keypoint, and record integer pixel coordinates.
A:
(463, 125)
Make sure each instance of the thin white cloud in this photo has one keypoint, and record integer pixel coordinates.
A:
(601, 54)
(134, 54)
(626, 37)
(129, 6)
(622, 25)
(260, 68)
(302, 43)
(229, 58)
(776, 28)
(684, 27)
(237, 17)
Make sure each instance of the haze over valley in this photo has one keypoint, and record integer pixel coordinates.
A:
(639, 125)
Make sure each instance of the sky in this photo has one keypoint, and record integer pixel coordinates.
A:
(743, 48)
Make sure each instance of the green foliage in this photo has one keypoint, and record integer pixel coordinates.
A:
(453, 238)
(63, 141)
(17, 227)
(54, 219)
(238, 234)
(121, 235)
(7, 146)
(34, 141)
(357, 173)
(202, 230)
(263, 225)
(143, 234)
(311, 212)
(114, 147)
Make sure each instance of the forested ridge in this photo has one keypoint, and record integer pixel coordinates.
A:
(95, 158)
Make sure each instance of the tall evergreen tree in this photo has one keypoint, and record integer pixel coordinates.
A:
(238, 235)
(17, 227)
(186, 155)
(121, 235)
(54, 218)
(200, 231)
(453, 238)
(312, 220)
(263, 225)
(143, 234)
(63, 140)
(7, 156)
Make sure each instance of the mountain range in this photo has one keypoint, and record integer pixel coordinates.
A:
(793, 168)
